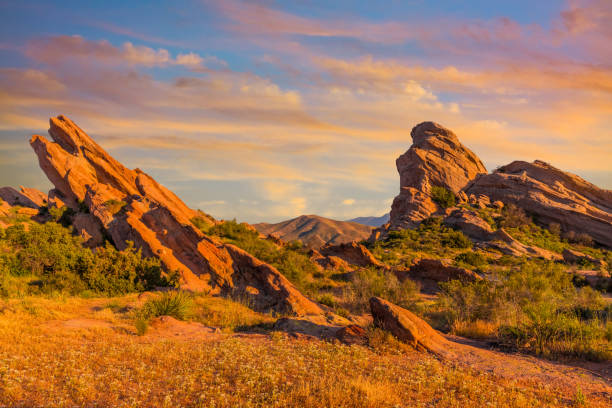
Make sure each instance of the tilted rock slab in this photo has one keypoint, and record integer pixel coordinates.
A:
(436, 158)
(129, 205)
(554, 196)
(409, 328)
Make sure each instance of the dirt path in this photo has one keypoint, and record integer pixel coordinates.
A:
(590, 377)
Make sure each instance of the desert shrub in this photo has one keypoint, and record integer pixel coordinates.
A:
(114, 206)
(535, 307)
(57, 258)
(443, 196)
(368, 282)
(456, 239)
(514, 217)
(475, 259)
(327, 299)
(177, 304)
(580, 238)
(430, 236)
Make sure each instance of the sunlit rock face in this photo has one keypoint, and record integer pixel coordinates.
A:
(552, 195)
(129, 205)
(436, 158)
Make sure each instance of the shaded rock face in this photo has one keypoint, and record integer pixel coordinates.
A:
(27, 197)
(552, 195)
(436, 158)
(129, 205)
(408, 328)
(468, 222)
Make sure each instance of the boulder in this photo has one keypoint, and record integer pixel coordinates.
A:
(470, 223)
(436, 158)
(572, 256)
(352, 253)
(552, 195)
(508, 245)
(409, 328)
(129, 205)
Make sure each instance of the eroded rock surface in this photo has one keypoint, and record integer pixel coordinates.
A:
(129, 205)
(409, 328)
(554, 196)
(352, 253)
(436, 158)
(441, 270)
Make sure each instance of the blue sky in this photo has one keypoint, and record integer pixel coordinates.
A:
(265, 110)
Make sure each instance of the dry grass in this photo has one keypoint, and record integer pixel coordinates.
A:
(478, 329)
(46, 365)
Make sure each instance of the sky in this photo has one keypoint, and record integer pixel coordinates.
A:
(266, 110)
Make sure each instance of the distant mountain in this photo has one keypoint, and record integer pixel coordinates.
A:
(372, 221)
(315, 231)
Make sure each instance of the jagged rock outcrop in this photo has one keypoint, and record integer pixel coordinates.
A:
(436, 158)
(554, 196)
(129, 205)
(409, 328)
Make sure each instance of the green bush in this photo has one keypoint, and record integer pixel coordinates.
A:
(536, 307)
(368, 282)
(114, 206)
(443, 196)
(177, 304)
(51, 253)
(471, 258)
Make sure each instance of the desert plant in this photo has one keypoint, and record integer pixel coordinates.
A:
(177, 304)
(514, 217)
(443, 196)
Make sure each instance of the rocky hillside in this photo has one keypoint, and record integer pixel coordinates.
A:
(114, 202)
(372, 221)
(315, 231)
(441, 177)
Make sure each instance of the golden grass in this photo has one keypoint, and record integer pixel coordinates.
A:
(478, 329)
(46, 365)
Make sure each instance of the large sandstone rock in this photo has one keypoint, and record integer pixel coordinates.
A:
(441, 270)
(128, 205)
(574, 257)
(552, 195)
(436, 158)
(352, 253)
(408, 328)
(468, 222)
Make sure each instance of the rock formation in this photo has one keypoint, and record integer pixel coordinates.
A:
(408, 328)
(554, 196)
(27, 197)
(436, 158)
(128, 205)
(353, 254)
(315, 231)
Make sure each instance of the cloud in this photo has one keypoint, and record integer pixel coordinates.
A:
(57, 49)
(348, 201)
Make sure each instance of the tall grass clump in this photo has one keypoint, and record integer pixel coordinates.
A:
(177, 304)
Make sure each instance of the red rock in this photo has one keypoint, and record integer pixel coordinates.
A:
(129, 205)
(352, 253)
(441, 270)
(436, 158)
(554, 196)
(408, 328)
